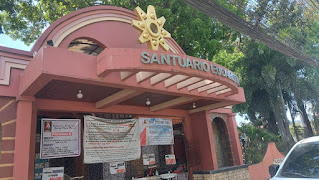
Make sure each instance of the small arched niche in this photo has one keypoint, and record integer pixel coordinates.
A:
(86, 46)
(221, 142)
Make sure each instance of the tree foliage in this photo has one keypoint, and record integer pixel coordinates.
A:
(266, 74)
(256, 140)
(198, 34)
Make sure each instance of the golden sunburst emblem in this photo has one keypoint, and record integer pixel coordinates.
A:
(151, 28)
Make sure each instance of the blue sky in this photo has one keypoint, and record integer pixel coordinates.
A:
(8, 42)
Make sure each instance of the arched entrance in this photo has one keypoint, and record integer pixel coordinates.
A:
(222, 144)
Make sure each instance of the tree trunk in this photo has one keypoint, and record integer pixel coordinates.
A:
(278, 106)
(284, 114)
(284, 132)
(294, 125)
(305, 118)
(315, 122)
(315, 119)
(295, 129)
(271, 125)
(293, 121)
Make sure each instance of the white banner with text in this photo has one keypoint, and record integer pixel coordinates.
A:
(110, 140)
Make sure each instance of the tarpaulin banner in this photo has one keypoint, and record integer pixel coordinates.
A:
(156, 131)
(60, 138)
(110, 140)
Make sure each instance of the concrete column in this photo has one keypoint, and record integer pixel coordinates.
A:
(234, 139)
(25, 139)
(202, 135)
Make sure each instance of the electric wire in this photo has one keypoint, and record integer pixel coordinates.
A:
(213, 9)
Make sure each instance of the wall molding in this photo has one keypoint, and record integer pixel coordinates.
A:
(6, 64)
(6, 178)
(6, 165)
(9, 122)
(8, 138)
(6, 105)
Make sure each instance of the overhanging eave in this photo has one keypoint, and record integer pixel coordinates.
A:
(60, 64)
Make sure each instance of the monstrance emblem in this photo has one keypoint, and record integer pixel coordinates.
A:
(151, 28)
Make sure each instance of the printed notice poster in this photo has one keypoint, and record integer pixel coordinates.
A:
(117, 167)
(110, 140)
(170, 159)
(148, 159)
(156, 131)
(60, 138)
(53, 173)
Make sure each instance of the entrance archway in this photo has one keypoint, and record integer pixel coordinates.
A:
(221, 142)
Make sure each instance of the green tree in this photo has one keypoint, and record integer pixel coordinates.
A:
(300, 95)
(293, 109)
(198, 34)
(256, 141)
(265, 73)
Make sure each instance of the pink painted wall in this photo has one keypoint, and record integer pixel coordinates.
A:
(202, 136)
(198, 129)
(8, 110)
(231, 126)
(110, 36)
(260, 171)
(12, 90)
